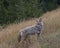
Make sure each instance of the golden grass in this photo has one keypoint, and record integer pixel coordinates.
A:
(50, 34)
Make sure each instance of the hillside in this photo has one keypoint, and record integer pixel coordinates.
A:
(50, 34)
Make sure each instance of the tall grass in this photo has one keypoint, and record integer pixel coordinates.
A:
(50, 35)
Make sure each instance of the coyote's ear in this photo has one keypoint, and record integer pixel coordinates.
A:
(40, 19)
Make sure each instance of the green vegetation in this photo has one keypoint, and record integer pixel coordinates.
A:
(18, 10)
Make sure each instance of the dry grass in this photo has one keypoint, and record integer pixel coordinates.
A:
(50, 34)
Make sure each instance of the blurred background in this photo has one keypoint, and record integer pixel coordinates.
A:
(19, 10)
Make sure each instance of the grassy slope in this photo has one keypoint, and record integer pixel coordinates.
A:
(50, 34)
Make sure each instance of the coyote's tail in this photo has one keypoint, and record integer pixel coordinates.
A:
(19, 37)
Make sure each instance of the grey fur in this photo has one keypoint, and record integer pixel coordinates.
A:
(31, 30)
